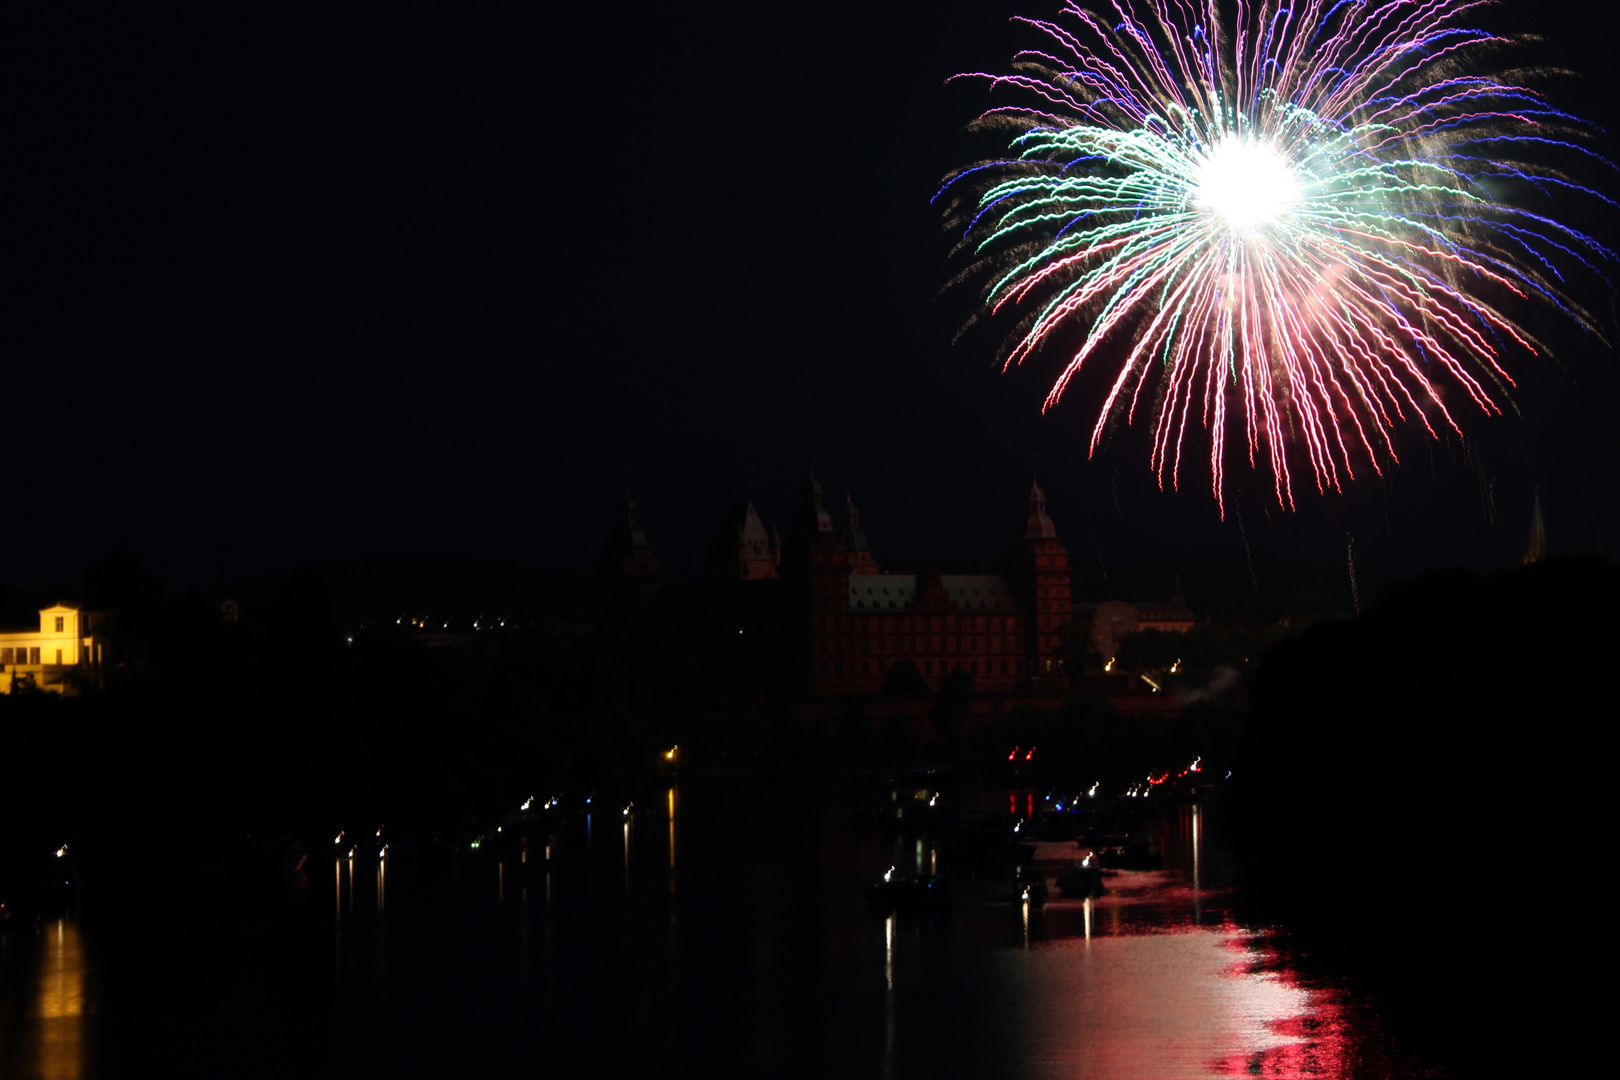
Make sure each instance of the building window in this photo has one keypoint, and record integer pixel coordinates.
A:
(60, 621)
(58, 657)
(5, 656)
(33, 654)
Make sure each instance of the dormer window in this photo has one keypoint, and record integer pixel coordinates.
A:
(61, 621)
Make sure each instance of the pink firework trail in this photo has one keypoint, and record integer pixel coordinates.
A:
(1286, 213)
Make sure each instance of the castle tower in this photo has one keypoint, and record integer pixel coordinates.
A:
(743, 550)
(853, 540)
(819, 567)
(1039, 571)
(627, 575)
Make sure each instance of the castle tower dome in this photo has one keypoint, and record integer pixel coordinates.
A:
(1038, 526)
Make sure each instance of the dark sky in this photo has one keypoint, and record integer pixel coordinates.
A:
(316, 286)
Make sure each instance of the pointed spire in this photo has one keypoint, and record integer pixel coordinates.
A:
(852, 537)
(1538, 533)
(812, 490)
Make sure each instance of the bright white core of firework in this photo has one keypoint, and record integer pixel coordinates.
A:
(1246, 183)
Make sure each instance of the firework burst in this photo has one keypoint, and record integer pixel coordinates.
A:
(1296, 214)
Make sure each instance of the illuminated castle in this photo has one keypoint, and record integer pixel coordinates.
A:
(821, 610)
(863, 622)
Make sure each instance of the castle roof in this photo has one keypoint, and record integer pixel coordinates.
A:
(972, 594)
(987, 594)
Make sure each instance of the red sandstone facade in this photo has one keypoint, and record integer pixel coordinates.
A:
(863, 621)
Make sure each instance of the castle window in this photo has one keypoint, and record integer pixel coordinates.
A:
(60, 619)
(5, 656)
(33, 655)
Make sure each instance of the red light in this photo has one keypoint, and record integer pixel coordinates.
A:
(1013, 755)
(1030, 754)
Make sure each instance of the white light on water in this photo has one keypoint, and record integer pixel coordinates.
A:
(1246, 183)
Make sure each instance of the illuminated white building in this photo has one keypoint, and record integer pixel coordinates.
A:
(64, 650)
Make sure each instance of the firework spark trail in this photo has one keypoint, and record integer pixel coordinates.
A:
(1284, 212)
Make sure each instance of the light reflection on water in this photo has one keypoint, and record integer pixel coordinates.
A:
(767, 930)
(1167, 1005)
(57, 1046)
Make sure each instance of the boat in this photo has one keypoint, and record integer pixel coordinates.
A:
(1081, 880)
(897, 893)
(1029, 889)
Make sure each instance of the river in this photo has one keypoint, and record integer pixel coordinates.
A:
(698, 936)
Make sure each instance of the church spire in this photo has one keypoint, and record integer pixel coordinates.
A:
(1538, 534)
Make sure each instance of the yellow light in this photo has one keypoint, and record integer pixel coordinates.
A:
(1110, 665)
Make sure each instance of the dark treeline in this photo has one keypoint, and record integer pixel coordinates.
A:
(1421, 799)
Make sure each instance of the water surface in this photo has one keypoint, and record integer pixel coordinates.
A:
(705, 937)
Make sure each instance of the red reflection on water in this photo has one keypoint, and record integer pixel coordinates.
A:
(1324, 1039)
(1181, 1001)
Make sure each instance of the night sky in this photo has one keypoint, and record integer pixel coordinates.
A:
(309, 286)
